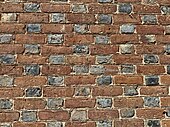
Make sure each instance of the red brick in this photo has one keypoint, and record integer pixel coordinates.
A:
(121, 39)
(124, 102)
(164, 59)
(48, 50)
(11, 92)
(165, 101)
(11, 48)
(11, 70)
(79, 103)
(103, 114)
(71, 39)
(26, 124)
(107, 91)
(52, 28)
(111, 69)
(80, 18)
(9, 116)
(103, 49)
(166, 123)
(163, 39)
(29, 104)
(47, 7)
(165, 79)
(127, 59)
(12, 28)
(23, 59)
(76, 60)
(154, 90)
(105, 29)
(11, 7)
(30, 38)
(26, 81)
(120, 19)
(130, 79)
(79, 124)
(79, 80)
(58, 92)
(60, 115)
(149, 49)
(129, 123)
(155, 113)
(82, 1)
(33, 18)
(165, 20)
(56, 69)
(149, 29)
(105, 8)
(150, 70)
(129, 1)
(145, 9)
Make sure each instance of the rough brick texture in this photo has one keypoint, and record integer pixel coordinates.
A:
(84, 63)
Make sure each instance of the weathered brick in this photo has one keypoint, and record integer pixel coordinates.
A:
(79, 115)
(152, 80)
(104, 123)
(81, 49)
(7, 59)
(150, 59)
(57, 18)
(54, 124)
(127, 113)
(56, 59)
(29, 116)
(82, 91)
(6, 104)
(127, 29)
(9, 17)
(80, 69)
(55, 103)
(32, 49)
(127, 68)
(125, 8)
(32, 70)
(33, 28)
(104, 102)
(55, 39)
(79, 8)
(151, 101)
(130, 90)
(104, 19)
(55, 81)
(153, 123)
(81, 28)
(104, 80)
(149, 19)
(148, 38)
(6, 81)
(33, 92)
(32, 7)
(101, 39)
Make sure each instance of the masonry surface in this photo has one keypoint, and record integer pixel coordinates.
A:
(84, 63)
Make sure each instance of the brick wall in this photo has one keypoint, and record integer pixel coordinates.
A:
(84, 63)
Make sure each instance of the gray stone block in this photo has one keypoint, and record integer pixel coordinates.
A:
(104, 102)
(5, 38)
(82, 91)
(55, 124)
(125, 8)
(127, 113)
(127, 29)
(165, 10)
(33, 28)
(32, 7)
(56, 59)
(7, 59)
(32, 69)
(33, 92)
(127, 48)
(55, 39)
(6, 81)
(104, 19)
(153, 123)
(97, 69)
(101, 39)
(5, 104)
(104, 123)
(104, 80)
(78, 28)
(130, 90)
(149, 19)
(80, 69)
(81, 49)
(29, 116)
(150, 59)
(32, 49)
(55, 103)
(55, 81)
(79, 115)
(151, 101)
(104, 59)
(167, 49)
(151, 80)
(57, 18)
(79, 8)
(104, 1)
(127, 68)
